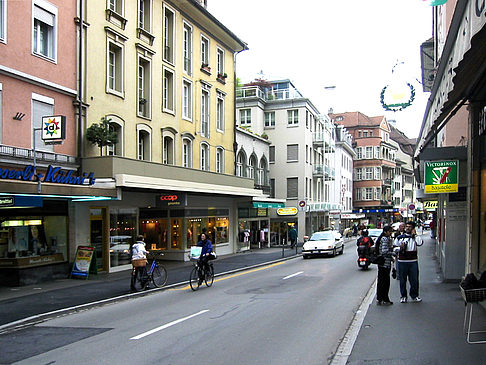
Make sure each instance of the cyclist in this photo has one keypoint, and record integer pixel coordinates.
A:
(139, 253)
(206, 255)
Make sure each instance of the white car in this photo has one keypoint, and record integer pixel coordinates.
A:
(337, 234)
(323, 243)
(374, 233)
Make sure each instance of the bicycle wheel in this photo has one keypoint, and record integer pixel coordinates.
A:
(159, 276)
(137, 282)
(209, 277)
(194, 279)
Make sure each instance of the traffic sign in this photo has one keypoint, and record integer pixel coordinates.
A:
(411, 206)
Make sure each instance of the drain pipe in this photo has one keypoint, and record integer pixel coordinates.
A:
(80, 81)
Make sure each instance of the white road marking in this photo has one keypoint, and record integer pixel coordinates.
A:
(138, 337)
(291, 276)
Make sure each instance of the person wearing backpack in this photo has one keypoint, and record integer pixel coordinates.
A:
(384, 248)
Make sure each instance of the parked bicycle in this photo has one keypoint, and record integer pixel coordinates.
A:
(207, 275)
(155, 274)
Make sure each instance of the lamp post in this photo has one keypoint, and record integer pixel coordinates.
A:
(39, 188)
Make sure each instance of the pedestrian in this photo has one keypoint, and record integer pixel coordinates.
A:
(384, 248)
(293, 236)
(355, 230)
(401, 229)
(432, 226)
(405, 246)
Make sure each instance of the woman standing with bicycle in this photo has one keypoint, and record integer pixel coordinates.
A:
(206, 255)
(139, 253)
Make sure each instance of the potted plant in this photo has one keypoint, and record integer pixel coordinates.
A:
(205, 67)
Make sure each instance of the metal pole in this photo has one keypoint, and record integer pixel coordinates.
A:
(39, 188)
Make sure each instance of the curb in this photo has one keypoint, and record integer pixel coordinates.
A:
(38, 318)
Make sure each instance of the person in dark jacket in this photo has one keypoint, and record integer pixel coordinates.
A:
(384, 247)
(293, 237)
(206, 255)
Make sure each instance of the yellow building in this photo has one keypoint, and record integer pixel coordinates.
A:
(163, 73)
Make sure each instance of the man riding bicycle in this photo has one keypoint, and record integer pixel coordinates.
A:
(139, 253)
(206, 255)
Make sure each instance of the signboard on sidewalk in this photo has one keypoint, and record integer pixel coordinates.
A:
(82, 261)
(441, 177)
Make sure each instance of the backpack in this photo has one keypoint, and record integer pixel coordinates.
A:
(364, 241)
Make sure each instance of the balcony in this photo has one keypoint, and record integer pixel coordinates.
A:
(42, 157)
(326, 172)
(324, 139)
(265, 188)
(387, 182)
(267, 94)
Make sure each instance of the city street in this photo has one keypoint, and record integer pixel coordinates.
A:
(286, 312)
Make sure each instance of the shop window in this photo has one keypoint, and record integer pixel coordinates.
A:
(156, 233)
(176, 234)
(122, 235)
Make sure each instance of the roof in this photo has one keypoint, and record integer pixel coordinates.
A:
(355, 119)
(406, 144)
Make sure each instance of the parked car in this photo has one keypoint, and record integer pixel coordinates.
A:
(337, 234)
(374, 233)
(324, 242)
(426, 224)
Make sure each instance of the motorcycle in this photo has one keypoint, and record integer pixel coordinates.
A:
(364, 259)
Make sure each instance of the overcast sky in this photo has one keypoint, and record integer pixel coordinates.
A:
(350, 44)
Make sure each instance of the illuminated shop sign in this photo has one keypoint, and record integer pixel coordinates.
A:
(171, 200)
(52, 174)
(53, 127)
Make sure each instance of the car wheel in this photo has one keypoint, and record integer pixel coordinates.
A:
(342, 250)
(305, 257)
(333, 252)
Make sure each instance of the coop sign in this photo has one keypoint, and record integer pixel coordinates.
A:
(52, 175)
(441, 177)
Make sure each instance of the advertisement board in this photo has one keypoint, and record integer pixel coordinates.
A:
(441, 177)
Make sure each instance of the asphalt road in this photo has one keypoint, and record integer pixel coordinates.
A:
(289, 312)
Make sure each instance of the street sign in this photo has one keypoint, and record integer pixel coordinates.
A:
(302, 203)
(441, 177)
(411, 206)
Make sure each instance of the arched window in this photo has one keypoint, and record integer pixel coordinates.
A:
(252, 167)
(241, 164)
(143, 142)
(168, 150)
(186, 152)
(263, 172)
(220, 160)
(205, 156)
(116, 125)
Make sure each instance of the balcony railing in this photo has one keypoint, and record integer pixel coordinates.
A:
(257, 91)
(324, 171)
(45, 156)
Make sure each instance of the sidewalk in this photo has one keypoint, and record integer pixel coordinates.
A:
(430, 332)
(17, 304)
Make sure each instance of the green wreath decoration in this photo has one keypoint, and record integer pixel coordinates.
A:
(400, 106)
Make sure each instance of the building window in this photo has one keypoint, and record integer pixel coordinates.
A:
(359, 194)
(269, 119)
(116, 149)
(116, 6)
(143, 145)
(115, 68)
(144, 15)
(220, 160)
(168, 91)
(271, 154)
(262, 172)
(272, 188)
(241, 164)
(187, 48)
(368, 193)
(292, 152)
(368, 173)
(377, 193)
(252, 168)
(143, 88)
(205, 113)
(187, 100)
(44, 32)
(220, 61)
(369, 152)
(168, 150)
(377, 173)
(168, 40)
(204, 51)
(220, 112)
(245, 116)
(204, 157)
(186, 152)
(359, 153)
(293, 117)
(3, 20)
(41, 106)
(292, 187)
(377, 152)
(1, 112)
(359, 172)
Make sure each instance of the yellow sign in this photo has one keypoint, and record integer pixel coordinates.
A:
(443, 188)
(431, 204)
(287, 211)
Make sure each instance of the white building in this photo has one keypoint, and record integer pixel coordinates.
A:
(301, 155)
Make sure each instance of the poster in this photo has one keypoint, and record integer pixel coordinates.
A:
(82, 261)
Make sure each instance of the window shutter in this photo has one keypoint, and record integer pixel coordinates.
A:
(43, 16)
(292, 152)
(292, 187)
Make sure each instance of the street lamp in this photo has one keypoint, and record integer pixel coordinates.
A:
(35, 163)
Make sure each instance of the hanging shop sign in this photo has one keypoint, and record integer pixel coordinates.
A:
(268, 205)
(387, 210)
(441, 176)
(287, 211)
(171, 200)
(52, 175)
(431, 204)
(397, 97)
(53, 127)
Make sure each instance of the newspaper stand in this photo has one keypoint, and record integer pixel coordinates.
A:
(471, 297)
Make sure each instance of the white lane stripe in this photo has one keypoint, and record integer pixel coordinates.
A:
(168, 325)
(291, 276)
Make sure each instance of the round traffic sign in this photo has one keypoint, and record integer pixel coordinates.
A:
(411, 206)
(302, 203)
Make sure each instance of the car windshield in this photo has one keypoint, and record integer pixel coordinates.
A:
(322, 236)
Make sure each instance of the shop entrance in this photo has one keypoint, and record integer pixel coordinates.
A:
(98, 237)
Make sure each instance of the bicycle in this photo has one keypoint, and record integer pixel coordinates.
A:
(156, 274)
(208, 276)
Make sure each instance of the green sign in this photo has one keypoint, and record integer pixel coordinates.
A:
(268, 205)
(441, 177)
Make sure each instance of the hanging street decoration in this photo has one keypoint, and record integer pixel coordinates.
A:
(397, 98)
(436, 2)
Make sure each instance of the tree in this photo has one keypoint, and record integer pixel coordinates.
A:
(101, 134)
